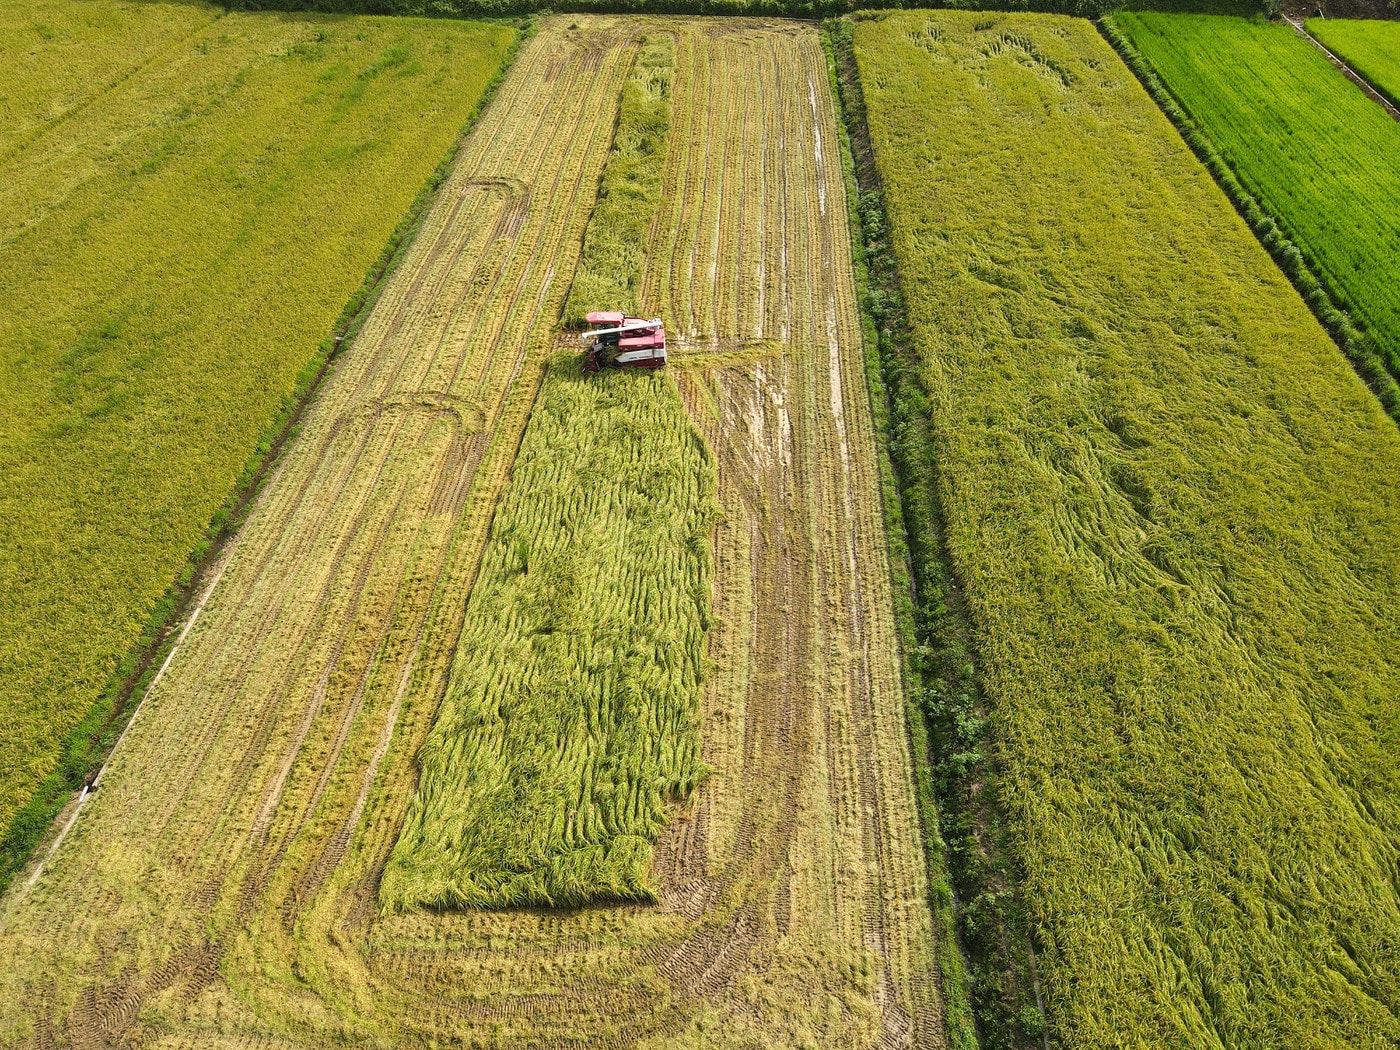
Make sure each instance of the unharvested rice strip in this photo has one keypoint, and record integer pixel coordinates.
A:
(656, 283)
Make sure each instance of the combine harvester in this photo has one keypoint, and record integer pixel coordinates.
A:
(623, 340)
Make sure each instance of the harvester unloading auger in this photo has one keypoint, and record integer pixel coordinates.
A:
(620, 341)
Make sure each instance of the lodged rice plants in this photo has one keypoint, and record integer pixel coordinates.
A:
(188, 199)
(1319, 156)
(222, 888)
(571, 715)
(1369, 46)
(609, 272)
(1169, 502)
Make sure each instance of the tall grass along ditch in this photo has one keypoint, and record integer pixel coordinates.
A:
(572, 715)
(1167, 498)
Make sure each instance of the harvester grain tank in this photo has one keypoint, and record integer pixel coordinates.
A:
(619, 341)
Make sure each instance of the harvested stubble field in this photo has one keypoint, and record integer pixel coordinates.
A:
(188, 199)
(1171, 503)
(221, 888)
(1319, 155)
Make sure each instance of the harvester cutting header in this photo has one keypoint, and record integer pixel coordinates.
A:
(619, 340)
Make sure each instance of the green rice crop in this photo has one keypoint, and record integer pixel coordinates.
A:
(1320, 157)
(1170, 504)
(188, 199)
(609, 273)
(1370, 47)
(571, 718)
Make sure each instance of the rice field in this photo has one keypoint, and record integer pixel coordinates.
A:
(1168, 501)
(188, 199)
(1370, 47)
(222, 888)
(1320, 157)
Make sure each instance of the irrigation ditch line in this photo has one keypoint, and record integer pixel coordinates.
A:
(175, 613)
(1356, 78)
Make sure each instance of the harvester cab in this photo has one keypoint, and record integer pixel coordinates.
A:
(618, 341)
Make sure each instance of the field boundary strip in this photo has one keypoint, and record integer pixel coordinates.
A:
(1372, 92)
(1355, 344)
(937, 648)
(90, 745)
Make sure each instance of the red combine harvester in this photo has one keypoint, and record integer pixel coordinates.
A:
(620, 341)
